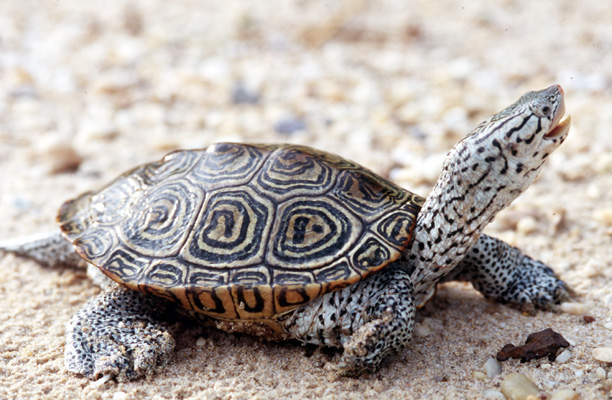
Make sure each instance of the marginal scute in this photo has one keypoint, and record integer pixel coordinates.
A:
(215, 301)
(240, 231)
(396, 228)
(253, 302)
(371, 255)
(125, 266)
(74, 216)
(367, 195)
(95, 244)
(289, 296)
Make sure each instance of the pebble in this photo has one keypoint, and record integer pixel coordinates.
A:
(119, 395)
(603, 215)
(564, 356)
(565, 394)
(427, 327)
(101, 381)
(201, 342)
(479, 375)
(493, 394)
(600, 373)
(422, 330)
(517, 386)
(603, 354)
(575, 308)
(492, 367)
(63, 159)
(244, 95)
(289, 125)
(527, 225)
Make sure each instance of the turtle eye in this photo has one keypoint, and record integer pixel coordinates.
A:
(542, 110)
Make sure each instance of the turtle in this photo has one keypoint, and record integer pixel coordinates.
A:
(289, 242)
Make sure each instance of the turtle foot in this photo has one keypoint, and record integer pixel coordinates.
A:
(537, 288)
(505, 274)
(114, 336)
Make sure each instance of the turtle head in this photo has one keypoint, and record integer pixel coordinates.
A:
(483, 174)
(515, 143)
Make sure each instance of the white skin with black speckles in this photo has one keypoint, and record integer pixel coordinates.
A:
(118, 333)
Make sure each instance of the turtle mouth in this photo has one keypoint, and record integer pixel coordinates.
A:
(560, 125)
(561, 129)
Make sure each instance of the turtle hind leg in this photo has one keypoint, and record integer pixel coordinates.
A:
(503, 273)
(49, 249)
(117, 335)
(369, 319)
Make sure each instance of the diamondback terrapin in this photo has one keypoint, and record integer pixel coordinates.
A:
(289, 242)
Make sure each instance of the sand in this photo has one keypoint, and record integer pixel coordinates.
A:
(89, 90)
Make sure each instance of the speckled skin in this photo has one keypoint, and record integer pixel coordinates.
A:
(118, 333)
(503, 273)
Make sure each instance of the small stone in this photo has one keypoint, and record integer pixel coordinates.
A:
(517, 386)
(244, 95)
(574, 308)
(564, 356)
(492, 367)
(603, 215)
(493, 395)
(565, 394)
(479, 375)
(102, 380)
(538, 344)
(600, 373)
(588, 319)
(527, 225)
(422, 330)
(63, 159)
(201, 342)
(120, 395)
(603, 354)
(290, 125)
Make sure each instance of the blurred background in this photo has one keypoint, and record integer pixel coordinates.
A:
(93, 89)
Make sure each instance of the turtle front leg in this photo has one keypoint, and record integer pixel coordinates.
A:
(115, 334)
(369, 319)
(503, 273)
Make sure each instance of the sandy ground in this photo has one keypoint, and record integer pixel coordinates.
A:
(90, 89)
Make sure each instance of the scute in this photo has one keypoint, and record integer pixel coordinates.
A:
(240, 231)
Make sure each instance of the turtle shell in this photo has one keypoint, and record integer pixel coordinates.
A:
(240, 231)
